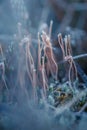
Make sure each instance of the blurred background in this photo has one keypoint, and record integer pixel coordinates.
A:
(64, 13)
(69, 16)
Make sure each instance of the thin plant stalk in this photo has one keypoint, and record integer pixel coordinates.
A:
(49, 55)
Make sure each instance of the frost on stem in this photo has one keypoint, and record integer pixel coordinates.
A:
(26, 65)
(51, 63)
(43, 80)
(29, 61)
(67, 56)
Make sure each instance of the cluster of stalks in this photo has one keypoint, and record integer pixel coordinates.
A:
(38, 73)
(46, 63)
(67, 57)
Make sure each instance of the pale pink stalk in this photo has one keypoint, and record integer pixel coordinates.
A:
(53, 68)
(60, 40)
(67, 56)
